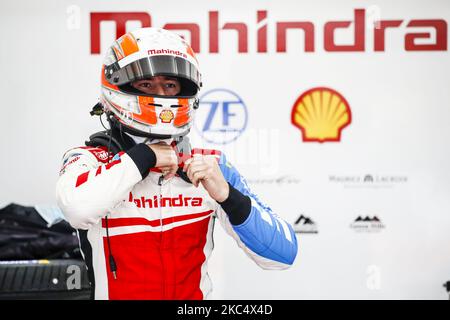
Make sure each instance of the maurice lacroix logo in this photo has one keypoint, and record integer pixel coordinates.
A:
(368, 180)
(367, 224)
(305, 225)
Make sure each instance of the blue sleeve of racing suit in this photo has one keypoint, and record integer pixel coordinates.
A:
(257, 226)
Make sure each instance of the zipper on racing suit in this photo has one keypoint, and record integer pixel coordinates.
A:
(163, 289)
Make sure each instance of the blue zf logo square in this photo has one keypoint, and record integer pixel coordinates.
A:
(221, 117)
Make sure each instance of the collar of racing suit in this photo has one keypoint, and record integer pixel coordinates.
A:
(116, 140)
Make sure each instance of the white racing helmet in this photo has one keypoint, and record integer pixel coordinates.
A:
(141, 54)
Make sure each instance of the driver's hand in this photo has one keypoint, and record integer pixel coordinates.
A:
(166, 158)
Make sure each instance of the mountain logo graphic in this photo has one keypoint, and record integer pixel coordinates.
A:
(305, 225)
(367, 224)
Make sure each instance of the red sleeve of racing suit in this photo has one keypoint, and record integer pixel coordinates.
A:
(89, 184)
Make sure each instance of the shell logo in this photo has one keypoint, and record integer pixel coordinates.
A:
(321, 114)
(166, 116)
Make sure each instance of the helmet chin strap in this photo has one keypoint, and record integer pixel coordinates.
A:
(182, 145)
(138, 139)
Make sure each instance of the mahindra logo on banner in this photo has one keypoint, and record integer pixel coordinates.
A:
(216, 27)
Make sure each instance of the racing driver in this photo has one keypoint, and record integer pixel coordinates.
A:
(144, 203)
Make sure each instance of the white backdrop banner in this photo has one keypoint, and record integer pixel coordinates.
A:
(337, 112)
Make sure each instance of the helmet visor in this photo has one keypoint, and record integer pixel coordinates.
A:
(152, 66)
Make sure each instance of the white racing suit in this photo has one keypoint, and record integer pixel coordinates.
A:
(160, 232)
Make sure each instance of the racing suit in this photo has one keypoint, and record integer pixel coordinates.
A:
(158, 232)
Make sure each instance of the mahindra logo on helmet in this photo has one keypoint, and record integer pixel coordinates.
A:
(167, 51)
(309, 29)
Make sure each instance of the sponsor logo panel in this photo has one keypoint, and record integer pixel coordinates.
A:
(321, 114)
(208, 37)
(374, 181)
(222, 116)
(304, 224)
(367, 224)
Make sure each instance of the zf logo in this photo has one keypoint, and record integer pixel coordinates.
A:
(222, 116)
